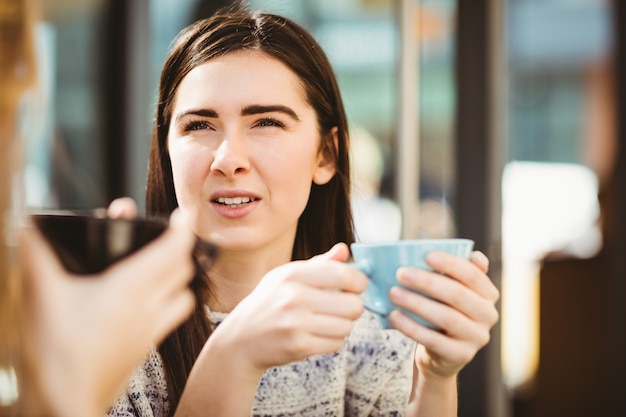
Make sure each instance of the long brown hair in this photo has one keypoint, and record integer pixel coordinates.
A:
(327, 217)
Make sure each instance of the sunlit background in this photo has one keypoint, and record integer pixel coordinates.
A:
(548, 151)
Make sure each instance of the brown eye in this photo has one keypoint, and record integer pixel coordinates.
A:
(269, 122)
(197, 125)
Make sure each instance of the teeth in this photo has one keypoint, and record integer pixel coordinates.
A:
(234, 202)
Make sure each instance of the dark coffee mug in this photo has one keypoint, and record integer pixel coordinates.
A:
(88, 244)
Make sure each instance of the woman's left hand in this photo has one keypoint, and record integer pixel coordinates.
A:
(465, 313)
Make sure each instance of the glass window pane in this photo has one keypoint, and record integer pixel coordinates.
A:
(63, 115)
(560, 146)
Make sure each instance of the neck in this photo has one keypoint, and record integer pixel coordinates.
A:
(235, 274)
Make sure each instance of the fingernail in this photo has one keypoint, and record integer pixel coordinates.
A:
(407, 275)
(398, 319)
(396, 293)
(434, 257)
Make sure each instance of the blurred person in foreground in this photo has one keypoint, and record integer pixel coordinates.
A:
(72, 342)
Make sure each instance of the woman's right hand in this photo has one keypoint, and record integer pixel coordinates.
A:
(299, 309)
(85, 335)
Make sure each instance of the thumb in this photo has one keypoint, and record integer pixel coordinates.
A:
(340, 252)
(123, 208)
(37, 258)
(36, 254)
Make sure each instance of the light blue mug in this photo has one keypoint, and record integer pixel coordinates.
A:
(380, 261)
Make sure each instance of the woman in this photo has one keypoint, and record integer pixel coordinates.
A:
(251, 142)
(73, 342)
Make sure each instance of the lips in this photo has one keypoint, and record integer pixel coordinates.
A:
(234, 202)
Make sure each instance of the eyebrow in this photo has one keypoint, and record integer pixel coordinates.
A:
(196, 112)
(259, 109)
(245, 111)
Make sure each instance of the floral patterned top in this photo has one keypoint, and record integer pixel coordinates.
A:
(370, 376)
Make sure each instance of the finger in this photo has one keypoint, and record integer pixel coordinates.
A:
(332, 275)
(152, 267)
(339, 252)
(179, 226)
(465, 272)
(334, 303)
(318, 345)
(417, 331)
(454, 322)
(123, 207)
(36, 255)
(480, 260)
(447, 291)
(165, 262)
(436, 342)
(173, 313)
(334, 327)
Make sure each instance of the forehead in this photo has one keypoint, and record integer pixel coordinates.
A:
(244, 76)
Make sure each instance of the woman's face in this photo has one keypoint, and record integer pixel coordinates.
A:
(244, 146)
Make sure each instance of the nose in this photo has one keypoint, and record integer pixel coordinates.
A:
(231, 156)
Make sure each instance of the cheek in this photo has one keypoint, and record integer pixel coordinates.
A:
(187, 173)
(294, 173)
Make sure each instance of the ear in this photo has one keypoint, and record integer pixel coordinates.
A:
(326, 166)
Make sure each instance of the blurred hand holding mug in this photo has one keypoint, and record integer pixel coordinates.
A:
(381, 260)
(89, 243)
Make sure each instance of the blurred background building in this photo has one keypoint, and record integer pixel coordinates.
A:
(496, 120)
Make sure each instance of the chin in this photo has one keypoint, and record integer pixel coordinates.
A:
(232, 240)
